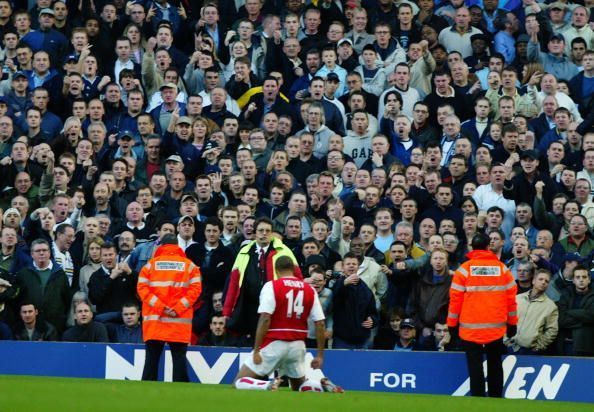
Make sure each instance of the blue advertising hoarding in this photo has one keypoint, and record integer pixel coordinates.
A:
(526, 377)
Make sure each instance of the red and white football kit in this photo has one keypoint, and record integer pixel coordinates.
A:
(290, 302)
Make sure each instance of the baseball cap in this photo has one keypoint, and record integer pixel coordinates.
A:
(125, 134)
(529, 154)
(19, 74)
(523, 38)
(212, 169)
(343, 41)
(407, 323)
(70, 57)
(188, 196)
(209, 146)
(47, 11)
(557, 5)
(184, 120)
(332, 77)
(174, 158)
(185, 217)
(557, 36)
(572, 257)
(168, 86)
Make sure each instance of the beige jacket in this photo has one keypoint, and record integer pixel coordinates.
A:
(538, 322)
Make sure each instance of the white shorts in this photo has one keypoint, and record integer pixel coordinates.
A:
(287, 357)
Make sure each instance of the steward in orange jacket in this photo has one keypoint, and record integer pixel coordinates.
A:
(482, 298)
(169, 280)
(483, 306)
(168, 286)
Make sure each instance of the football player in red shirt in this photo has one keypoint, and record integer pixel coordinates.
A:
(285, 306)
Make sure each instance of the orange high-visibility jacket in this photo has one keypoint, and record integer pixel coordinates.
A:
(168, 280)
(482, 298)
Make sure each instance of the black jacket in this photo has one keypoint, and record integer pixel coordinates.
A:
(578, 323)
(93, 332)
(53, 302)
(216, 272)
(109, 295)
(429, 301)
(357, 303)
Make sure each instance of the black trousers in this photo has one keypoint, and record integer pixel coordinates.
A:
(474, 359)
(154, 349)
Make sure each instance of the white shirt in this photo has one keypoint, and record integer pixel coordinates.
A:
(64, 260)
(485, 197)
(184, 244)
(119, 66)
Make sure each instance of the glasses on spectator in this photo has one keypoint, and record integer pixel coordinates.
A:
(334, 158)
(256, 138)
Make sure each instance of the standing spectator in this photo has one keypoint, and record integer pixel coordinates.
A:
(429, 299)
(357, 314)
(45, 285)
(112, 285)
(483, 305)
(252, 268)
(168, 286)
(538, 318)
(576, 316)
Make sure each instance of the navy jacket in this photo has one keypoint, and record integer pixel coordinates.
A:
(357, 303)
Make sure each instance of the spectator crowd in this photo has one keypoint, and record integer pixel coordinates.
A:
(369, 140)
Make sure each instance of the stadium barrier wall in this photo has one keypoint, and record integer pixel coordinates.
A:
(526, 377)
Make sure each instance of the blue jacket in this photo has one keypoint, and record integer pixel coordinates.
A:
(51, 41)
(191, 156)
(174, 18)
(470, 130)
(398, 150)
(155, 113)
(53, 84)
(546, 140)
(560, 67)
(359, 304)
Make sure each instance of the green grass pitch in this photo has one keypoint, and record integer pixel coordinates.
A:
(32, 394)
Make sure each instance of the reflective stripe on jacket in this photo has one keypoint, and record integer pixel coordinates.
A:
(482, 298)
(169, 280)
(241, 262)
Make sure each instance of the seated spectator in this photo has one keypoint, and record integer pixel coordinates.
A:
(85, 330)
(131, 329)
(218, 335)
(441, 339)
(32, 329)
(389, 331)
(406, 341)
